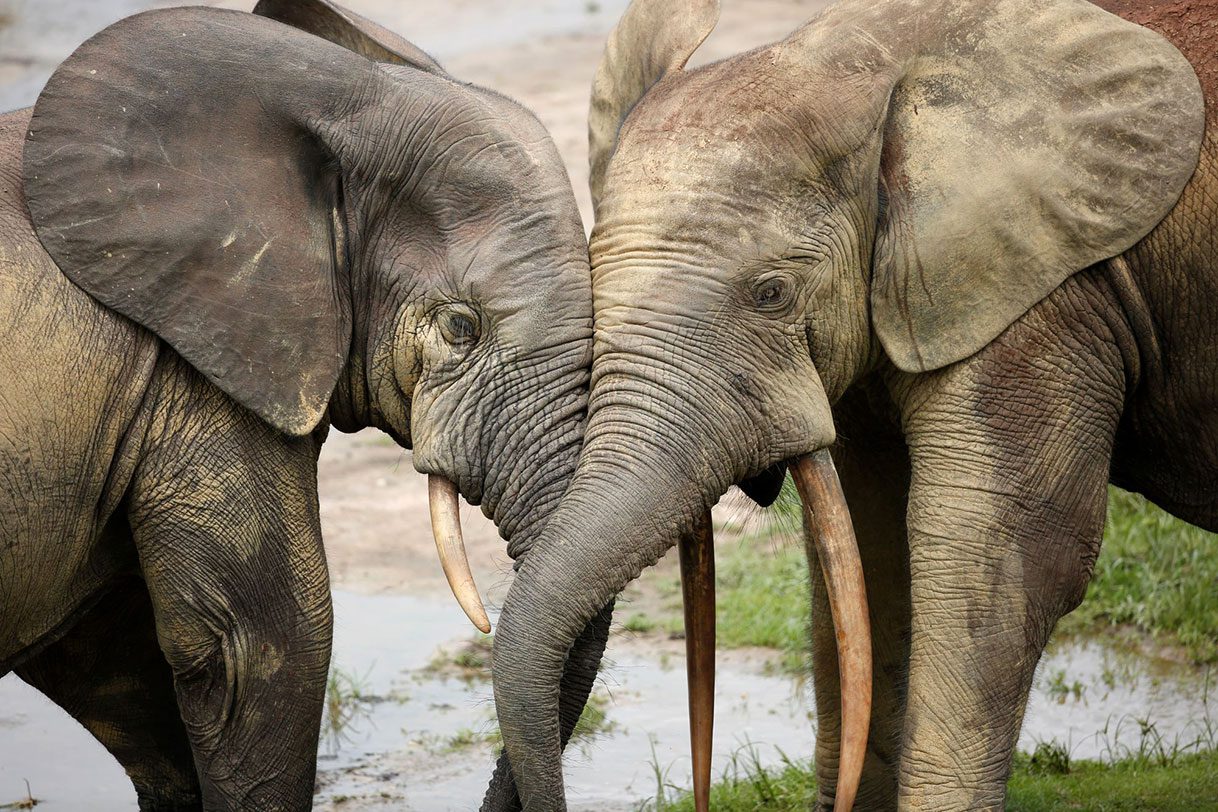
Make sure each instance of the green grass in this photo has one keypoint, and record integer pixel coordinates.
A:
(1154, 573)
(1190, 783)
(469, 661)
(761, 599)
(347, 704)
(640, 623)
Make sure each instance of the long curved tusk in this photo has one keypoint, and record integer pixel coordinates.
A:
(446, 529)
(697, 553)
(828, 519)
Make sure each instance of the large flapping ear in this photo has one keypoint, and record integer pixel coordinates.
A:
(346, 28)
(653, 38)
(1024, 142)
(180, 169)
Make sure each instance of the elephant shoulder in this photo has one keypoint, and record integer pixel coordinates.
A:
(70, 365)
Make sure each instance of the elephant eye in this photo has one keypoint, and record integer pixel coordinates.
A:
(459, 327)
(772, 293)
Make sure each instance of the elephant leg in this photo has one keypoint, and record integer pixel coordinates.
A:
(109, 674)
(224, 515)
(579, 676)
(1010, 455)
(873, 465)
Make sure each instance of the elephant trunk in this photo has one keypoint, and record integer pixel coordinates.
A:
(579, 675)
(629, 502)
(527, 471)
(518, 478)
(621, 514)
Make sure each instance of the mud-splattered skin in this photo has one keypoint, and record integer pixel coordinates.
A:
(1007, 294)
(219, 235)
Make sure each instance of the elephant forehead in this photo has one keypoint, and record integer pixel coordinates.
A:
(658, 283)
(653, 230)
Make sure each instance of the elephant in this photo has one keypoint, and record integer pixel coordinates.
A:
(967, 249)
(222, 233)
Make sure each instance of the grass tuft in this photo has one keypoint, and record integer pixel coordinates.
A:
(28, 802)
(640, 623)
(1049, 758)
(347, 704)
(1157, 574)
(469, 661)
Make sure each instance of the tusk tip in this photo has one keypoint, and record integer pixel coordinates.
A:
(446, 528)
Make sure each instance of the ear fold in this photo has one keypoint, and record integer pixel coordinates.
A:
(343, 27)
(179, 168)
(653, 38)
(1023, 142)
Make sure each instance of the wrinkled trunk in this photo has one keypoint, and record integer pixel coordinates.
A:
(619, 517)
(532, 428)
(634, 496)
(529, 470)
(579, 675)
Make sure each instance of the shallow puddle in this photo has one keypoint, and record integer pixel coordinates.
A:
(413, 749)
(1107, 702)
(418, 741)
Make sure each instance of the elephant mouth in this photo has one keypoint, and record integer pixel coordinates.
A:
(765, 487)
(827, 522)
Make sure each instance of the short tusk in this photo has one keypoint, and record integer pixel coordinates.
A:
(827, 519)
(446, 528)
(697, 552)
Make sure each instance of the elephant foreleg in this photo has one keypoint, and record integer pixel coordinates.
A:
(1010, 455)
(109, 674)
(224, 515)
(873, 465)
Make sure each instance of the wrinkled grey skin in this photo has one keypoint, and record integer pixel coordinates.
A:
(224, 236)
(977, 467)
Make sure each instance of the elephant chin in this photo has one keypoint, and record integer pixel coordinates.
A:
(827, 521)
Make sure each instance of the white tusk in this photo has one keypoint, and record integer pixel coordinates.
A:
(446, 528)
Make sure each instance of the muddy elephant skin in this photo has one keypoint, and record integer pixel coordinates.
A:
(220, 234)
(971, 246)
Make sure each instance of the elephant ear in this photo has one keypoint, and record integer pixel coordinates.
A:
(1023, 142)
(343, 27)
(653, 38)
(179, 168)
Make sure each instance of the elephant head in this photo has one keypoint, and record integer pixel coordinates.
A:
(331, 229)
(324, 235)
(892, 185)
